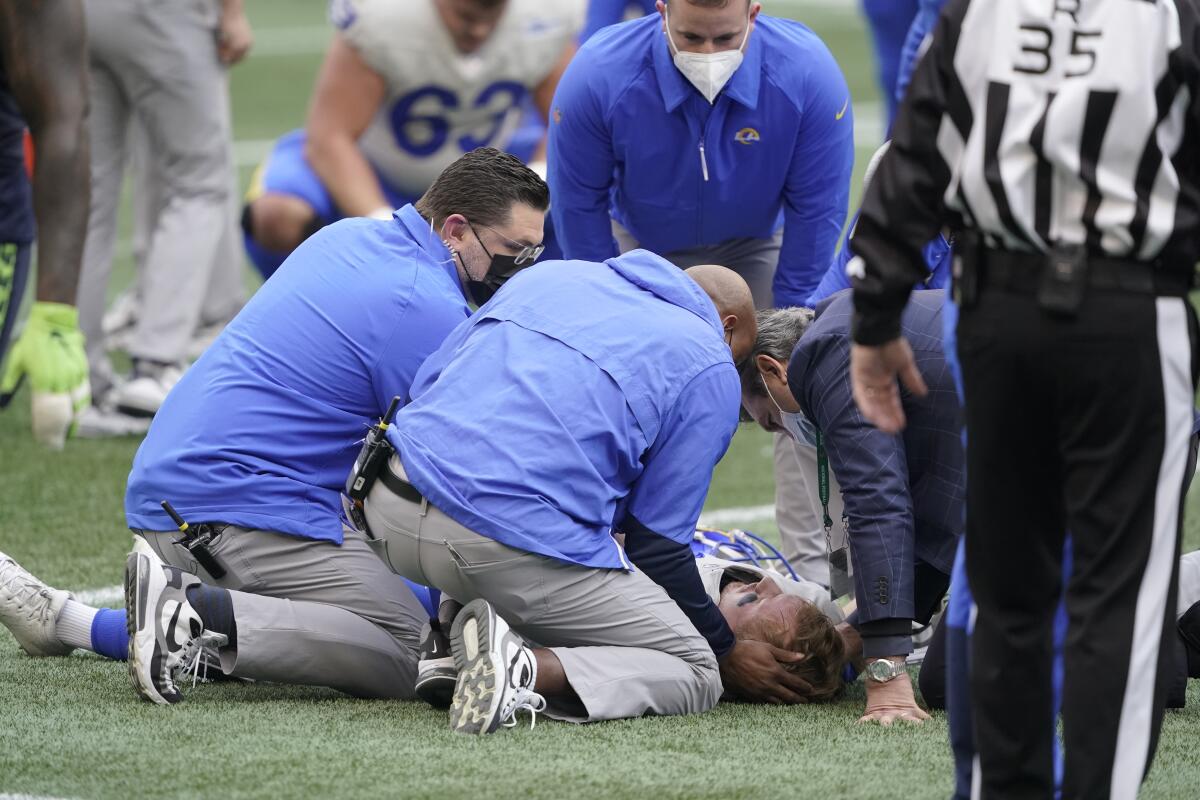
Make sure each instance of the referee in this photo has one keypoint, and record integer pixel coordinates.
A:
(1058, 139)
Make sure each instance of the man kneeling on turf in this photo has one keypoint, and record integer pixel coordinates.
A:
(581, 398)
(255, 442)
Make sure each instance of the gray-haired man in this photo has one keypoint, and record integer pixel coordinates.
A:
(903, 493)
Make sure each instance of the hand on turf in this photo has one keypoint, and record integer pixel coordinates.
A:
(755, 671)
(50, 354)
(234, 38)
(888, 702)
(873, 373)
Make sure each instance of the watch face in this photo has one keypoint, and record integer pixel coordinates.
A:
(881, 670)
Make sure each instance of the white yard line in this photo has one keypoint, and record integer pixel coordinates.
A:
(98, 597)
(741, 515)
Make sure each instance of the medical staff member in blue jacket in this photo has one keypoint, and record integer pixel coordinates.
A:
(259, 435)
(904, 494)
(707, 134)
(711, 134)
(585, 400)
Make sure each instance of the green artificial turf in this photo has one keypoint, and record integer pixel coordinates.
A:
(72, 727)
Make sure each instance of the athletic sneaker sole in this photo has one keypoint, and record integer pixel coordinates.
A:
(144, 655)
(475, 706)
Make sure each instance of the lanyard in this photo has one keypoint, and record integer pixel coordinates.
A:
(823, 483)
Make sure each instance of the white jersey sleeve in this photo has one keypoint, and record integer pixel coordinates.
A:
(441, 103)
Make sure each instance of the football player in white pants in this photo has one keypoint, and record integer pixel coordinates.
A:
(405, 89)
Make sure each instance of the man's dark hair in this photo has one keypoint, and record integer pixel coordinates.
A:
(483, 186)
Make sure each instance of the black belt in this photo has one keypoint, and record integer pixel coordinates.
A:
(400, 487)
(1022, 273)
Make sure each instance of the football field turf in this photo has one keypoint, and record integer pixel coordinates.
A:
(74, 728)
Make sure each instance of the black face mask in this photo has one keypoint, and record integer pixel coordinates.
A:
(499, 271)
(502, 268)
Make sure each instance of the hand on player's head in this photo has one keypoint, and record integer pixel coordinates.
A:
(762, 612)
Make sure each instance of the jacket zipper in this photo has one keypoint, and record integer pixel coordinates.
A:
(703, 160)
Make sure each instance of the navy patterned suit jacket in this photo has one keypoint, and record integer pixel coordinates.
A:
(904, 494)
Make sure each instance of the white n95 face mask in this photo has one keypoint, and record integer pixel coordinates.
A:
(708, 72)
(795, 424)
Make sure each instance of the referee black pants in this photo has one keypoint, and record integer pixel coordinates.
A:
(1077, 424)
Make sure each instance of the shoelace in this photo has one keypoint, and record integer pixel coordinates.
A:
(24, 589)
(191, 657)
(527, 700)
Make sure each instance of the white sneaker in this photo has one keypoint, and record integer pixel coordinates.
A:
(496, 672)
(105, 422)
(144, 394)
(29, 609)
(166, 635)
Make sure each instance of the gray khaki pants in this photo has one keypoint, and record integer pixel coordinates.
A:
(226, 291)
(158, 61)
(626, 648)
(311, 612)
(798, 510)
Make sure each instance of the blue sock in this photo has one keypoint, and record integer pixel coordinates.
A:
(110, 636)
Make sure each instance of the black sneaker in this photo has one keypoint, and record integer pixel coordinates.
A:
(436, 674)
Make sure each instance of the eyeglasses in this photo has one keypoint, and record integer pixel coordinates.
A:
(738, 365)
(526, 253)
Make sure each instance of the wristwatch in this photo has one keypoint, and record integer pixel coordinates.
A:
(882, 670)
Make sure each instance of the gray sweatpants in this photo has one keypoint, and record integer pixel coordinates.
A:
(226, 291)
(312, 612)
(157, 60)
(626, 648)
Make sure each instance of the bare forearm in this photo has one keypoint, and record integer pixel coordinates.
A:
(45, 57)
(347, 174)
(61, 193)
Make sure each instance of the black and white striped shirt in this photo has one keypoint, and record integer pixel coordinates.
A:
(1035, 123)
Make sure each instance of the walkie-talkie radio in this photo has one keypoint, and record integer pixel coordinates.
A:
(196, 539)
(372, 458)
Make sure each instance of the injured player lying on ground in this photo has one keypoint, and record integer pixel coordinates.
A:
(750, 582)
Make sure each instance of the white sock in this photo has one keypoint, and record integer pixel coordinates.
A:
(74, 624)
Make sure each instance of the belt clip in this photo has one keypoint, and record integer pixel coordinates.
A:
(1064, 279)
